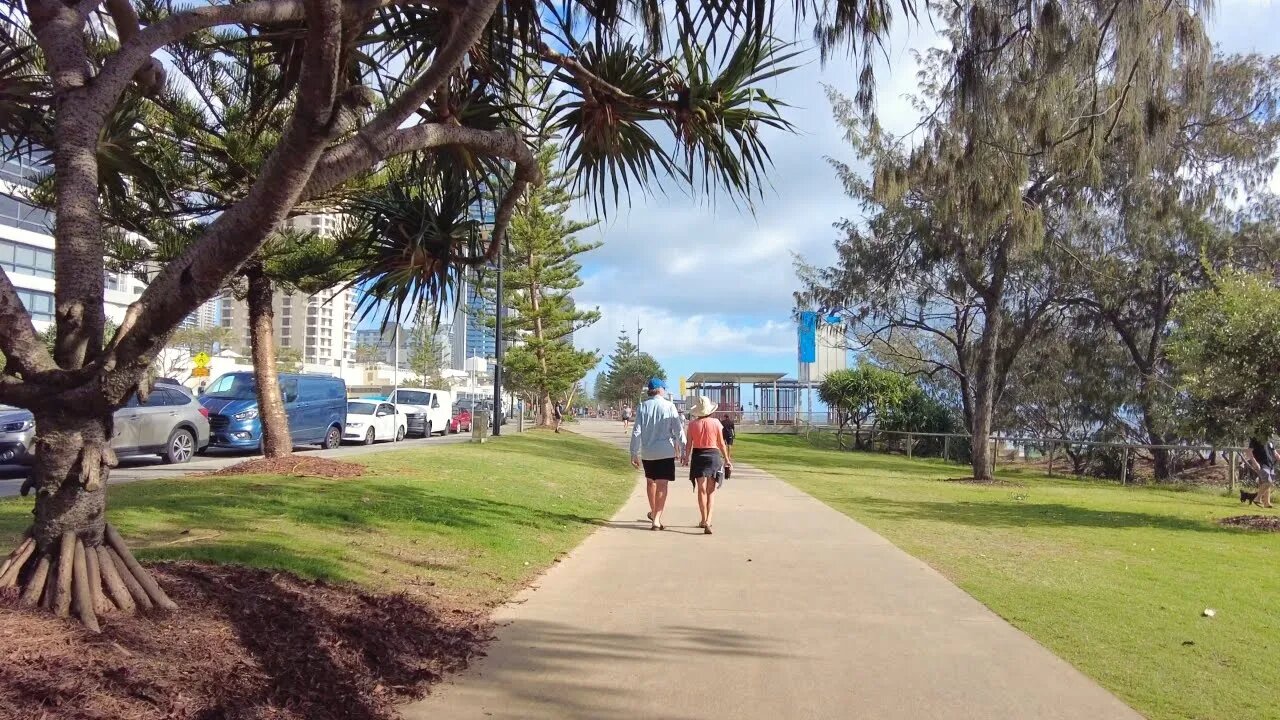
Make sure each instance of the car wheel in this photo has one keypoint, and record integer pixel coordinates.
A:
(368, 437)
(427, 433)
(332, 439)
(399, 433)
(182, 445)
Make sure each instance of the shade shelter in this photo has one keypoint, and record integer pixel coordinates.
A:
(749, 397)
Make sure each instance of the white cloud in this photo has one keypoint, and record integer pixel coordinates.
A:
(667, 334)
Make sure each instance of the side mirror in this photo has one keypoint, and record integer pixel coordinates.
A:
(435, 404)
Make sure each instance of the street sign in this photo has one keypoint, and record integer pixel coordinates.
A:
(683, 387)
(200, 372)
(201, 360)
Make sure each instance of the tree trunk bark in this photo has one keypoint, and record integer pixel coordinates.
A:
(73, 461)
(276, 441)
(984, 393)
(1160, 458)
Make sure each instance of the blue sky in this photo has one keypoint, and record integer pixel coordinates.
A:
(711, 284)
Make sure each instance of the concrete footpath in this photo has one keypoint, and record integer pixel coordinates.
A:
(791, 610)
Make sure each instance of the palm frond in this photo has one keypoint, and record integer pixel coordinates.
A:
(415, 236)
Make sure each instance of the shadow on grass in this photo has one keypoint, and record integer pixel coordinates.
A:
(1019, 515)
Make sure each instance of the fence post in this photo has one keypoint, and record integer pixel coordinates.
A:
(1124, 465)
(1231, 472)
(911, 440)
(1052, 446)
(995, 451)
(946, 448)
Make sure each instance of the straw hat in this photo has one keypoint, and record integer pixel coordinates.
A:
(701, 406)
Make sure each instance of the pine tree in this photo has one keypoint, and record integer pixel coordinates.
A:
(540, 271)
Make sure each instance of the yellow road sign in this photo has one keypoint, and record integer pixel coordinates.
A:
(201, 360)
(200, 372)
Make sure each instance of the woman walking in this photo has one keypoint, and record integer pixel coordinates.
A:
(707, 456)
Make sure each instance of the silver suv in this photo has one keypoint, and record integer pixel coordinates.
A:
(171, 424)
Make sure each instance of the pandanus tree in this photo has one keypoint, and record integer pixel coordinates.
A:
(359, 82)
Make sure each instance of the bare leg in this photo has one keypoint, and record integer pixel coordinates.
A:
(702, 502)
(1264, 494)
(711, 492)
(660, 501)
(651, 490)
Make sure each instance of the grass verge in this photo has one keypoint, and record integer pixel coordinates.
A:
(1112, 579)
(464, 524)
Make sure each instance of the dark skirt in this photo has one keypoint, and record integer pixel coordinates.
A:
(706, 462)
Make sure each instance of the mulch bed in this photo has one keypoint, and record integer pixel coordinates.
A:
(985, 483)
(245, 644)
(1268, 523)
(295, 465)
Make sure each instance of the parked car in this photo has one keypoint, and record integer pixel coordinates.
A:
(370, 421)
(426, 410)
(316, 406)
(171, 424)
(17, 435)
(461, 420)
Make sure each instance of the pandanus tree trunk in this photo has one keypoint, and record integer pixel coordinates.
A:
(276, 441)
(70, 560)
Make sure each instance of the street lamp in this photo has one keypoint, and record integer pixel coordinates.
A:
(497, 347)
(638, 331)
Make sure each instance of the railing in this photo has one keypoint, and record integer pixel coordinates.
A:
(1095, 458)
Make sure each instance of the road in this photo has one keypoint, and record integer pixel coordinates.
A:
(150, 467)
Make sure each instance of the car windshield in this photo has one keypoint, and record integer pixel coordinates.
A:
(361, 408)
(232, 387)
(411, 397)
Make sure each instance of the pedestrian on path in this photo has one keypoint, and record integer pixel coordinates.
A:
(1262, 457)
(558, 413)
(626, 415)
(656, 441)
(707, 456)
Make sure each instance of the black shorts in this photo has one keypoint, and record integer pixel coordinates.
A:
(664, 469)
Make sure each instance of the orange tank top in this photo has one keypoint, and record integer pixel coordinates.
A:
(705, 433)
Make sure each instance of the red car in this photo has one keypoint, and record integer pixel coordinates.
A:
(461, 421)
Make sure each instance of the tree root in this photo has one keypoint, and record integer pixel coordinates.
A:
(86, 580)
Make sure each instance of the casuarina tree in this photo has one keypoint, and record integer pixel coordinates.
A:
(361, 82)
(1026, 109)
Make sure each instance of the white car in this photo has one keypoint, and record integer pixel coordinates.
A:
(370, 421)
(427, 410)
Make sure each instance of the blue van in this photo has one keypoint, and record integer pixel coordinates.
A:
(316, 405)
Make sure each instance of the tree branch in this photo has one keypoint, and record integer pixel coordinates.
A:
(19, 341)
(203, 269)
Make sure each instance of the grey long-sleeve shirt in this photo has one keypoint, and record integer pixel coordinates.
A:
(658, 433)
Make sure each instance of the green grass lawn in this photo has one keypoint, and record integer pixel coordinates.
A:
(468, 524)
(1112, 579)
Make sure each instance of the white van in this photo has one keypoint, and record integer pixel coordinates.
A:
(426, 410)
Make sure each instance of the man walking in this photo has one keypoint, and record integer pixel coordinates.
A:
(558, 414)
(656, 441)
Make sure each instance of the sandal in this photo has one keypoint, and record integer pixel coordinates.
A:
(706, 529)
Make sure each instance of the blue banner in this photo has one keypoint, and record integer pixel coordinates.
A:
(808, 332)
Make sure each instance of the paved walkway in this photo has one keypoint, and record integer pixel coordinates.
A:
(791, 610)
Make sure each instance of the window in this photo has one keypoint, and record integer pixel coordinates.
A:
(25, 259)
(39, 304)
(15, 213)
(286, 321)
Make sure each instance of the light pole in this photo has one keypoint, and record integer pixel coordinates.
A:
(497, 349)
(638, 331)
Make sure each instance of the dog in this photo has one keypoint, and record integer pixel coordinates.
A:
(1249, 497)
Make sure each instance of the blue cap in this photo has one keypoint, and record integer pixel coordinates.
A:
(657, 384)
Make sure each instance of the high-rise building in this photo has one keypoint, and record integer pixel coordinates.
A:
(471, 337)
(321, 326)
(384, 339)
